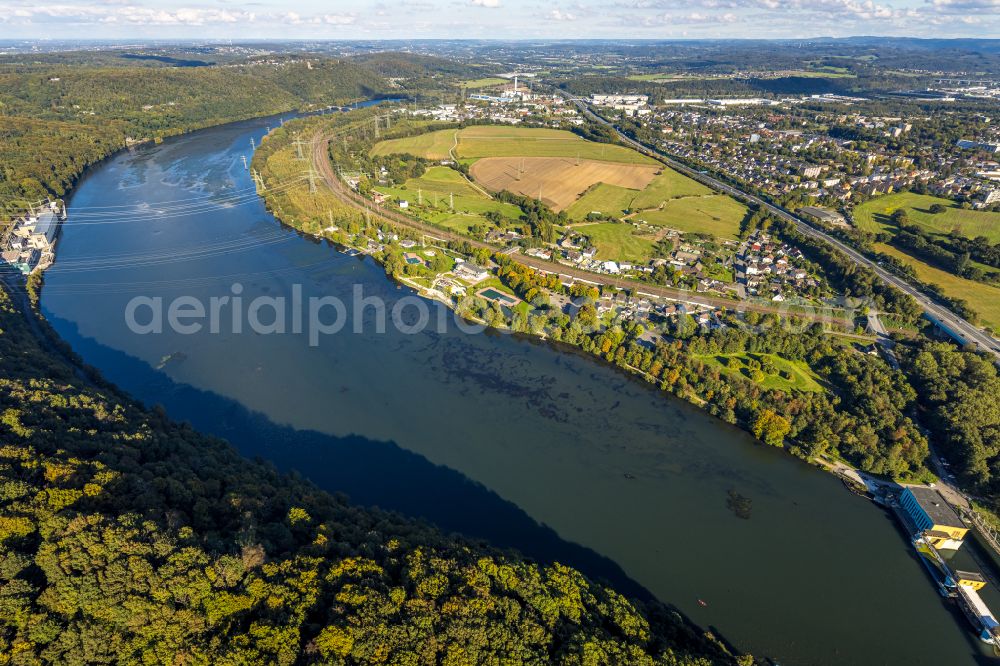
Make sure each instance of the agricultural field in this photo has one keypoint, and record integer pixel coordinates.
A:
(431, 145)
(578, 176)
(616, 241)
(790, 375)
(557, 181)
(615, 200)
(430, 195)
(874, 216)
(486, 82)
(502, 141)
(983, 298)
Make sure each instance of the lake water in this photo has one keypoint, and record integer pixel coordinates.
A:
(503, 439)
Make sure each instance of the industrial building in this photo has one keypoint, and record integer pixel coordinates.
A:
(933, 517)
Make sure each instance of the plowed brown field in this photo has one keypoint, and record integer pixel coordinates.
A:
(558, 181)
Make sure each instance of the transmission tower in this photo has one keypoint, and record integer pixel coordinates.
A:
(311, 174)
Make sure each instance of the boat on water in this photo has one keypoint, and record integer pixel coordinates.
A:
(175, 357)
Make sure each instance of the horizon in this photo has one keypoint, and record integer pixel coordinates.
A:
(500, 20)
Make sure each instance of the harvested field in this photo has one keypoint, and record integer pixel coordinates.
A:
(559, 181)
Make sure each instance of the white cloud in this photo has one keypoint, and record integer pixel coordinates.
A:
(560, 15)
(491, 4)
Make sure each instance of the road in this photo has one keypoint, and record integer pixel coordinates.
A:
(958, 328)
(321, 163)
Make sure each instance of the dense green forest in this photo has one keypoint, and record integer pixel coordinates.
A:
(127, 538)
(56, 120)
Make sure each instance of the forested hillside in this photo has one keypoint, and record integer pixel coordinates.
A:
(55, 120)
(126, 538)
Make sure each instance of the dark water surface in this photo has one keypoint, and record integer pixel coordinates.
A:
(503, 439)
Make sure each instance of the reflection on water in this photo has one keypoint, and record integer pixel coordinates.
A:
(501, 438)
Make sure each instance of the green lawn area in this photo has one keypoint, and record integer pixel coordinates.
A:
(617, 242)
(718, 215)
(800, 376)
(434, 188)
(874, 216)
(503, 141)
(982, 298)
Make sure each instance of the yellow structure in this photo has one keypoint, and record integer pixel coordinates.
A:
(934, 518)
(970, 579)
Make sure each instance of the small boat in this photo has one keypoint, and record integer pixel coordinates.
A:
(702, 602)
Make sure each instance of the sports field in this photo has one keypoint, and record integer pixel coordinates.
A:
(983, 298)
(557, 181)
(874, 216)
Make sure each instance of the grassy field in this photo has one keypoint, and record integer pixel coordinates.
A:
(502, 141)
(617, 242)
(874, 216)
(670, 200)
(434, 189)
(486, 82)
(432, 145)
(982, 298)
(718, 215)
(602, 198)
(801, 377)
(668, 185)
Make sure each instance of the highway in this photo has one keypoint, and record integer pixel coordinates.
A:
(958, 328)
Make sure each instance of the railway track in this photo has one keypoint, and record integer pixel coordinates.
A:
(322, 165)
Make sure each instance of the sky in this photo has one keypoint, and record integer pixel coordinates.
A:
(500, 19)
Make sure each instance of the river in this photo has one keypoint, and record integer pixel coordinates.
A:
(504, 439)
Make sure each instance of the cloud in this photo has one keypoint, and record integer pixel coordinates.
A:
(560, 15)
(962, 6)
(490, 4)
